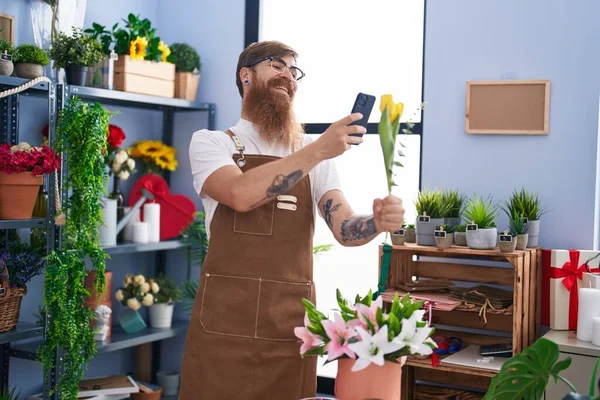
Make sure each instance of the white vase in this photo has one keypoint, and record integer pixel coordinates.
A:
(161, 315)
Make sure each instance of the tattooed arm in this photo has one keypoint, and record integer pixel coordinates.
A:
(351, 229)
(245, 191)
(348, 228)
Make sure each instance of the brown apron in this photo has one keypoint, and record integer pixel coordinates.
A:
(241, 342)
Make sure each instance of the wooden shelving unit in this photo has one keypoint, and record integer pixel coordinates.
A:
(520, 325)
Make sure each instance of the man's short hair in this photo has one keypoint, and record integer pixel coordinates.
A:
(258, 51)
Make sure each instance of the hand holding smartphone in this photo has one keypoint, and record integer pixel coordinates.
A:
(364, 105)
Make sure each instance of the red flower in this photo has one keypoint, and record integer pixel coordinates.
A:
(115, 135)
(38, 161)
(45, 131)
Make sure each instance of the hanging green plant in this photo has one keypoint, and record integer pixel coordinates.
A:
(81, 136)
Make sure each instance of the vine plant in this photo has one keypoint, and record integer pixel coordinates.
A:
(82, 138)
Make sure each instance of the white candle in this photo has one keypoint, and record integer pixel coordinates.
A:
(589, 307)
(596, 332)
(128, 229)
(152, 217)
(140, 232)
(108, 228)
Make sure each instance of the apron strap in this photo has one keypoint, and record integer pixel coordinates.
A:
(385, 270)
(239, 146)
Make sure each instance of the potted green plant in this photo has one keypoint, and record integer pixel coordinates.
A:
(428, 206)
(411, 235)
(75, 54)
(482, 213)
(525, 375)
(166, 294)
(101, 74)
(444, 236)
(460, 235)
(452, 203)
(527, 205)
(518, 229)
(187, 71)
(399, 236)
(6, 50)
(29, 61)
(507, 242)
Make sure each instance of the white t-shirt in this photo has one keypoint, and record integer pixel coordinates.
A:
(211, 150)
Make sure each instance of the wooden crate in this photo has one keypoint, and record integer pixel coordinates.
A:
(144, 77)
(520, 269)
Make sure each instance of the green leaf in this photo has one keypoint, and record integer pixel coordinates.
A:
(398, 164)
(526, 374)
(593, 380)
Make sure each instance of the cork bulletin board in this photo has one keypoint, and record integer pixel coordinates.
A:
(7, 27)
(509, 107)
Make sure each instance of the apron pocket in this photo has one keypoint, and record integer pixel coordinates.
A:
(229, 305)
(280, 308)
(255, 222)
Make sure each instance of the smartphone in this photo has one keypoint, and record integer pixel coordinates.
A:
(364, 105)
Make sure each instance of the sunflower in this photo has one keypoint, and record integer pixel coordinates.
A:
(164, 49)
(137, 48)
(166, 160)
(149, 148)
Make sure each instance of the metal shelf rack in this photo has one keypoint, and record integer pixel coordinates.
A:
(57, 95)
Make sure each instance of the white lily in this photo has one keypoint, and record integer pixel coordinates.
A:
(415, 338)
(371, 349)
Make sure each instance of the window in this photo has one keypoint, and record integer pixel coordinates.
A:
(346, 47)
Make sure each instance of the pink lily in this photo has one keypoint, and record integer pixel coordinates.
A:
(308, 338)
(364, 312)
(339, 334)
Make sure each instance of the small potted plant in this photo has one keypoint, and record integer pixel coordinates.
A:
(527, 205)
(134, 294)
(19, 263)
(187, 71)
(399, 236)
(451, 206)
(6, 50)
(518, 229)
(460, 235)
(428, 206)
(166, 294)
(21, 174)
(444, 236)
(75, 54)
(481, 213)
(411, 235)
(29, 61)
(507, 242)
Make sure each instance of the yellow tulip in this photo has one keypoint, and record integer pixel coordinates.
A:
(397, 111)
(386, 100)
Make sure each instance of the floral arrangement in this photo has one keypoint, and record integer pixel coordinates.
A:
(155, 155)
(136, 291)
(26, 158)
(22, 262)
(118, 160)
(365, 332)
(139, 40)
(166, 291)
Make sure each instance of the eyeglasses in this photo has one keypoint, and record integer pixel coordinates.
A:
(279, 66)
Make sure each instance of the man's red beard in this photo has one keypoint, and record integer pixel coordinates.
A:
(271, 111)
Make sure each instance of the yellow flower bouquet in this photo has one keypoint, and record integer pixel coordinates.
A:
(155, 155)
(388, 130)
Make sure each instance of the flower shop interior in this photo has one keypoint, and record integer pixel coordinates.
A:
(490, 288)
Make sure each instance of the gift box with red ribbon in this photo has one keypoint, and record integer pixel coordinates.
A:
(562, 274)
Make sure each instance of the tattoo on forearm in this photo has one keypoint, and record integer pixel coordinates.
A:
(281, 184)
(328, 209)
(355, 228)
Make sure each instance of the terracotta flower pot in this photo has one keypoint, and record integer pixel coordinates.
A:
(373, 382)
(18, 193)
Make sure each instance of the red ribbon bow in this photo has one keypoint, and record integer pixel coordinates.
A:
(570, 272)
